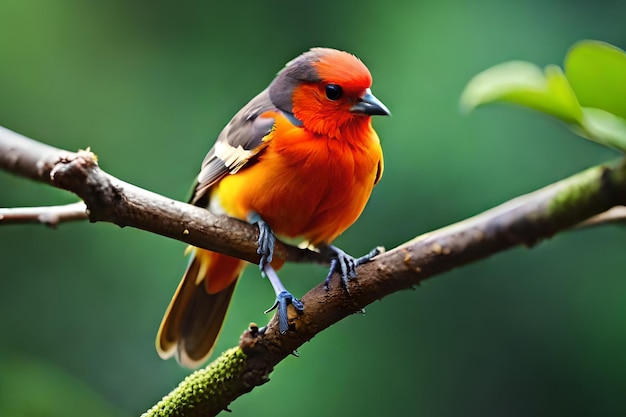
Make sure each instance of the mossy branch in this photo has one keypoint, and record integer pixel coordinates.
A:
(202, 391)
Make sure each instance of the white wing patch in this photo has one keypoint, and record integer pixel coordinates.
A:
(233, 158)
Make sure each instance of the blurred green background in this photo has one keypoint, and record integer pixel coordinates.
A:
(148, 86)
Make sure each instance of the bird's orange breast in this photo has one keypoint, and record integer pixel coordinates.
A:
(305, 185)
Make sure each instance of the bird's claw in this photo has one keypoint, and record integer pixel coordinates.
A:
(283, 299)
(265, 244)
(345, 265)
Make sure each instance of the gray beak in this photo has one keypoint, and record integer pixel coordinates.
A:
(370, 105)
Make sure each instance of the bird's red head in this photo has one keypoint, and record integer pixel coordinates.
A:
(328, 91)
(341, 68)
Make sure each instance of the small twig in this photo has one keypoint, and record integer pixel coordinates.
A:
(612, 216)
(49, 215)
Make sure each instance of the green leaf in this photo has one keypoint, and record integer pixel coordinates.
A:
(597, 73)
(527, 85)
(603, 127)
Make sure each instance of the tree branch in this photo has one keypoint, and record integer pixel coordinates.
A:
(525, 220)
(112, 200)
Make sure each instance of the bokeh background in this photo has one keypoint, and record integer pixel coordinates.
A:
(148, 86)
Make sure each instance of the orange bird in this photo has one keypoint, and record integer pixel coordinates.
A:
(299, 160)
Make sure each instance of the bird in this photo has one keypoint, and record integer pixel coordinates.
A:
(300, 161)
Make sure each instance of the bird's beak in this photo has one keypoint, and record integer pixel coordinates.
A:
(370, 105)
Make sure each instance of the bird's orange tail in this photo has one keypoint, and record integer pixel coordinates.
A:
(194, 318)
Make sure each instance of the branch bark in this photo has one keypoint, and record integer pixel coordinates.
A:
(525, 220)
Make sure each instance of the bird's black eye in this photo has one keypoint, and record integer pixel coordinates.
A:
(334, 91)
